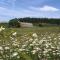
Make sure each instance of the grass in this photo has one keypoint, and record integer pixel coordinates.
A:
(30, 43)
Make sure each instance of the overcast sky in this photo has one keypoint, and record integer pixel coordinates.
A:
(29, 8)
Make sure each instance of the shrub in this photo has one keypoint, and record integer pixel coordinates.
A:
(40, 25)
(14, 23)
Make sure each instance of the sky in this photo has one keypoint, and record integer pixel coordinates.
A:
(29, 8)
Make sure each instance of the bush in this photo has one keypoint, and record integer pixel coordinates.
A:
(14, 23)
(40, 25)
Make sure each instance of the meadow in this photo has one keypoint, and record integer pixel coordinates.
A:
(37, 43)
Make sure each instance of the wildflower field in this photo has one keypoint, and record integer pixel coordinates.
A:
(30, 43)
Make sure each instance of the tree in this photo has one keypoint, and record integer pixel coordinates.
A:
(14, 23)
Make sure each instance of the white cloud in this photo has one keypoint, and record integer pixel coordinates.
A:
(48, 8)
(45, 8)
